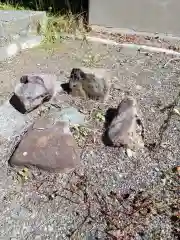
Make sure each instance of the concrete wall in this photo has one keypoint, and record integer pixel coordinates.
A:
(161, 16)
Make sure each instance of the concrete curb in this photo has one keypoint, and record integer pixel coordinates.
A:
(108, 30)
(20, 30)
(125, 45)
(133, 46)
(11, 50)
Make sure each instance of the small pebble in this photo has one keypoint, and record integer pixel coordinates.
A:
(25, 154)
(138, 87)
(38, 238)
(45, 229)
(157, 169)
(50, 229)
(129, 152)
(163, 181)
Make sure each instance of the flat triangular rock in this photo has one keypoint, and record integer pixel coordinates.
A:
(47, 146)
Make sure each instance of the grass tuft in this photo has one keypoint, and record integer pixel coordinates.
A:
(57, 24)
(9, 6)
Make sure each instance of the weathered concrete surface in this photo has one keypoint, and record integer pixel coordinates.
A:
(11, 121)
(58, 205)
(17, 24)
(13, 125)
(140, 15)
(19, 30)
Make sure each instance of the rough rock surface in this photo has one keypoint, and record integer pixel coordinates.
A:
(47, 146)
(90, 83)
(33, 90)
(123, 128)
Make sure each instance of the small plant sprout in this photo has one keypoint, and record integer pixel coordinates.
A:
(23, 175)
(99, 116)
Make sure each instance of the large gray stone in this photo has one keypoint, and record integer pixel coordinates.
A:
(123, 130)
(33, 90)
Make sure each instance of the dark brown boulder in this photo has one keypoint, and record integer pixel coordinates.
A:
(47, 146)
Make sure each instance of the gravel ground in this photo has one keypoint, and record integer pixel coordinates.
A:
(111, 194)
